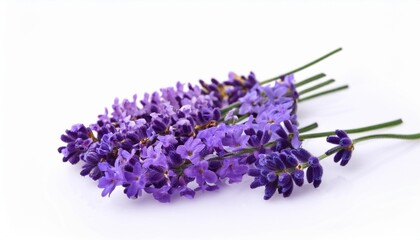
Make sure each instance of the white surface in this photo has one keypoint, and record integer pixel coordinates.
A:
(62, 63)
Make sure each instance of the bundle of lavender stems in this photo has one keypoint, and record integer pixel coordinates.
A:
(192, 138)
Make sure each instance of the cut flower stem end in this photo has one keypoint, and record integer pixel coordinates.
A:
(415, 136)
(355, 130)
(303, 67)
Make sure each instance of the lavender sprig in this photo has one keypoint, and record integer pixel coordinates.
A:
(187, 138)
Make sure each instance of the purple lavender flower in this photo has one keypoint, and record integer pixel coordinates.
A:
(233, 170)
(191, 150)
(78, 141)
(273, 115)
(288, 136)
(106, 144)
(239, 86)
(346, 145)
(258, 138)
(136, 181)
(153, 156)
(212, 137)
(314, 172)
(157, 175)
(249, 102)
(162, 194)
(125, 109)
(91, 159)
(234, 137)
(184, 127)
(167, 140)
(113, 177)
(176, 137)
(276, 94)
(276, 171)
(289, 82)
(201, 173)
(160, 123)
(206, 114)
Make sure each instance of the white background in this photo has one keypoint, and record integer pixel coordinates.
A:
(62, 62)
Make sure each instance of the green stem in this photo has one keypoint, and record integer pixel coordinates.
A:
(237, 104)
(393, 136)
(308, 128)
(243, 151)
(311, 79)
(230, 107)
(325, 134)
(415, 136)
(324, 93)
(243, 117)
(355, 130)
(330, 152)
(301, 68)
(316, 87)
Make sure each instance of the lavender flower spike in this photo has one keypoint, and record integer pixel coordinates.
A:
(341, 139)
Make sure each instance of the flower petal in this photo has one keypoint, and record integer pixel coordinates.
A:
(210, 176)
(270, 189)
(254, 172)
(339, 155)
(298, 177)
(271, 177)
(284, 179)
(341, 134)
(333, 139)
(345, 142)
(310, 174)
(346, 158)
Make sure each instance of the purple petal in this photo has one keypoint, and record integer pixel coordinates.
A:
(103, 166)
(298, 177)
(284, 179)
(210, 176)
(301, 154)
(73, 159)
(66, 139)
(310, 174)
(280, 131)
(125, 154)
(317, 183)
(271, 177)
(270, 189)
(333, 139)
(256, 183)
(339, 155)
(162, 197)
(346, 158)
(240, 170)
(211, 188)
(341, 134)
(318, 171)
(345, 142)
(133, 191)
(288, 126)
(313, 161)
(287, 190)
(254, 172)
(296, 143)
(265, 137)
(187, 192)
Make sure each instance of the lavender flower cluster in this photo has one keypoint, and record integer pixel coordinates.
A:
(180, 141)
(187, 138)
